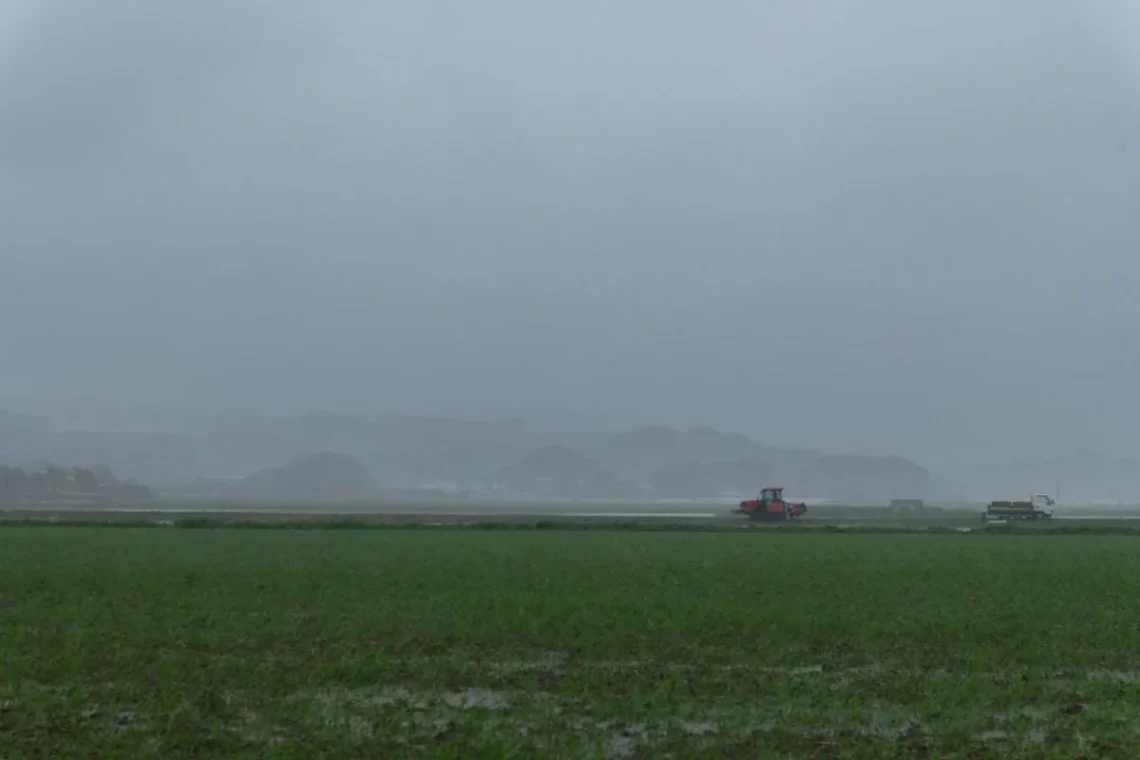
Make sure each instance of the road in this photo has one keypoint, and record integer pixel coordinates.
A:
(691, 511)
(457, 511)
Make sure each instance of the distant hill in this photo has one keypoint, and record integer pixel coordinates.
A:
(556, 471)
(699, 480)
(405, 451)
(322, 476)
(416, 451)
(147, 457)
(153, 458)
(643, 453)
(452, 455)
(50, 485)
(865, 479)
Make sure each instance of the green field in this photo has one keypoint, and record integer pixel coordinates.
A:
(153, 642)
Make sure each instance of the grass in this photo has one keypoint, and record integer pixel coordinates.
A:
(133, 642)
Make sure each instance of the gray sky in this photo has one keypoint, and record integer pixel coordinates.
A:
(876, 226)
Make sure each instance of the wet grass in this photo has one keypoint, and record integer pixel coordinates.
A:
(140, 642)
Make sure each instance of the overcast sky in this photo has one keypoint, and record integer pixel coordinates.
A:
(907, 227)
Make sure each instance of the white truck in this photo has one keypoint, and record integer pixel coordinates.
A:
(1039, 507)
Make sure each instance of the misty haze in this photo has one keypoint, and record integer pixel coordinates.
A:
(854, 229)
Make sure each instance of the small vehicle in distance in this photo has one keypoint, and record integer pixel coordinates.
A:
(1038, 507)
(771, 506)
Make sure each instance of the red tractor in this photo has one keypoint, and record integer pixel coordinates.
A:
(771, 506)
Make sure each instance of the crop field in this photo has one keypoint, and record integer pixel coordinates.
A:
(297, 643)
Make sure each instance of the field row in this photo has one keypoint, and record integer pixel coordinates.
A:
(293, 643)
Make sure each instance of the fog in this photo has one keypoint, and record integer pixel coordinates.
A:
(878, 227)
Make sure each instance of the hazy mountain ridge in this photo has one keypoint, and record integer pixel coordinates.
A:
(417, 451)
(465, 455)
(323, 475)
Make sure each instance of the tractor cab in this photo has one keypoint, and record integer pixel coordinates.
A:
(772, 493)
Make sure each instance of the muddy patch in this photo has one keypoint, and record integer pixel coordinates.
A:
(552, 663)
(547, 722)
(398, 696)
(1117, 676)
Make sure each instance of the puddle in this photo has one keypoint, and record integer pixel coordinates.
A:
(437, 713)
(359, 728)
(392, 696)
(551, 664)
(1032, 713)
(476, 698)
(558, 664)
(532, 718)
(251, 729)
(1120, 676)
(699, 728)
(619, 746)
(616, 665)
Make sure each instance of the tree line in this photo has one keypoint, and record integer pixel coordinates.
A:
(53, 484)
